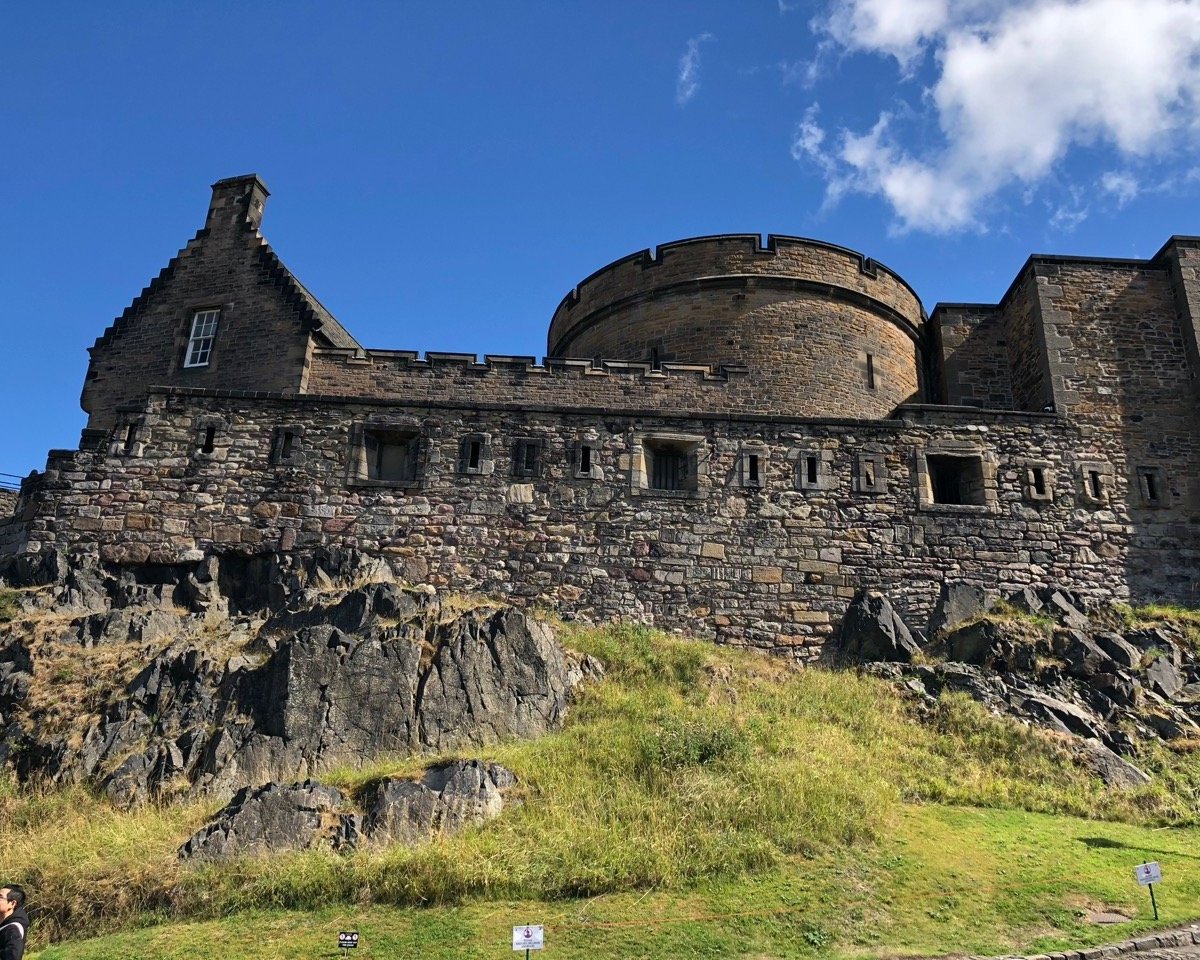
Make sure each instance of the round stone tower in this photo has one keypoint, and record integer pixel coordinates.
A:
(826, 331)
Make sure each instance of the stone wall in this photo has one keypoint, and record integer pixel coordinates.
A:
(458, 379)
(8, 502)
(734, 254)
(973, 355)
(824, 331)
(263, 332)
(1120, 370)
(770, 565)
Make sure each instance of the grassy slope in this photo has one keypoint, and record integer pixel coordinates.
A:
(700, 802)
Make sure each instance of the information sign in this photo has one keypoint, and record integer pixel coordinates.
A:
(1148, 873)
(527, 937)
(348, 939)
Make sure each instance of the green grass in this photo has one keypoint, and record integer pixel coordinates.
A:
(803, 809)
(962, 879)
(1152, 614)
(1003, 610)
(8, 605)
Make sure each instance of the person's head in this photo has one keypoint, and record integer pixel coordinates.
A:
(11, 897)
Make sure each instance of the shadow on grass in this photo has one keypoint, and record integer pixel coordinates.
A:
(1102, 843)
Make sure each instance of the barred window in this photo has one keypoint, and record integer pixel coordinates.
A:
(200, 343)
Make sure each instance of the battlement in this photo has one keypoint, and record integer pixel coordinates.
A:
(434, 361)
(793, 263)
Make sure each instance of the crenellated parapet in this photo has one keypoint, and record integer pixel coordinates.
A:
(403, 375)
(832, 331)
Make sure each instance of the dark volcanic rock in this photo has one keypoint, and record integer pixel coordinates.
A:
(958, 603)
(16, 673)
(1062, 716)
(446, 799)
(1162, 676)
(1066, 610)
(1083, 656)
(1110, 768)
(997, 644)
(1123, 654)
(872, 630)
(276, 818)
(382, 671)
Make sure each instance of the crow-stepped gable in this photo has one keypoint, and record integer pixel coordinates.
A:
(730, 435)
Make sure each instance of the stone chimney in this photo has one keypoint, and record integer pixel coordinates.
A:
(237, 201)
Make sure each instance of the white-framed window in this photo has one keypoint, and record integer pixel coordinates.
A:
(200, 343)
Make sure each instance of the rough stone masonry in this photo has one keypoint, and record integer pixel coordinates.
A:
(729, 436)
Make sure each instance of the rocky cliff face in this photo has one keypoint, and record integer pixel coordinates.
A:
(1047, 658)
(154, 681)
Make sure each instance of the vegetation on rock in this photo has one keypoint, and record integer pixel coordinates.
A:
(687, 766)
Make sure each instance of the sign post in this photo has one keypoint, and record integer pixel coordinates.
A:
(1148, 874)
(528, 937)
(347, 941)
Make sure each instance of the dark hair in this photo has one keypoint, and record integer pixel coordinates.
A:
(15, 895)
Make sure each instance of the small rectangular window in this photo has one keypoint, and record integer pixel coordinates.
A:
(131, 432)
(870, 371)
(287, 446)
(752, 464)
(389, 456)
(474, 455)
(584, 466)
(814, 470)
(956, 480)
(669, 472)
(1039, 482)
(527, 458)
(203, 335)
(209, 442)
(668, 466)
(673, 464)
(1152, 486)
(870, 473)
(1094, 482)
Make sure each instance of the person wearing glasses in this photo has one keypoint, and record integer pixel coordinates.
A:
(14, 922)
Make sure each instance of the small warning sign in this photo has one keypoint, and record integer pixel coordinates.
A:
(528, 937)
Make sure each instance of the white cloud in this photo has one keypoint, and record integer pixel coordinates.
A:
(1123, 186)
(898, 28)
(1018, 84)
(687, 82)
(810, 138)
(1069, 214)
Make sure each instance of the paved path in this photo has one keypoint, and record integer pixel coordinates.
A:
(1180, 944)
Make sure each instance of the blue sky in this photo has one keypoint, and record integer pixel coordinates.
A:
(440, 179)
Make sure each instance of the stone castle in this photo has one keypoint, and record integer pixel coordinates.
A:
(727, 436)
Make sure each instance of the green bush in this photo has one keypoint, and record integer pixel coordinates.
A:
(695, 742)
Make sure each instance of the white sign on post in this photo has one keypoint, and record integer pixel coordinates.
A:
(1147, 873)
(527, 938)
